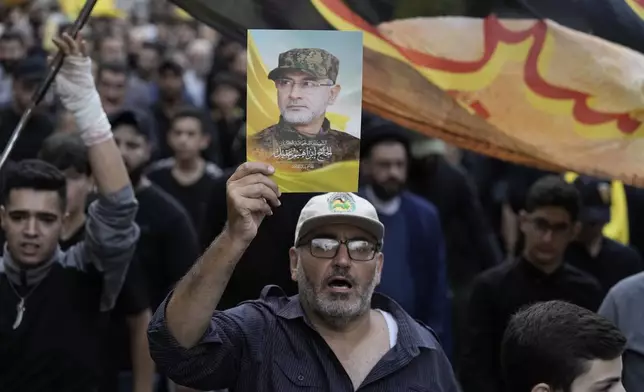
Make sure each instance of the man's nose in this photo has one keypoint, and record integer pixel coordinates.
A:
(296, 91)
(342, 258)
(31, 228)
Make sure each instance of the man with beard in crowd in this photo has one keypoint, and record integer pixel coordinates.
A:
(306, 85)
(336, 335)
(416, 273)
(168, 245)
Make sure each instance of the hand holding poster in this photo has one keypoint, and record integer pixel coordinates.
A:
(304, 107)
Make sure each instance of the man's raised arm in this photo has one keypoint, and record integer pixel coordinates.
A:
(111, 233)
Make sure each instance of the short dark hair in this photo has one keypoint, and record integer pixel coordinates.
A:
(169, 65)
(34, 174)
(550, 343)
(190, 112)
(554, 191)
(12, 35)
(155, 46)
(117, 67)
(66, 151)
(384, 133)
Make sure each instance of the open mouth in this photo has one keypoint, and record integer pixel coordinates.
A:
(339, 283)
(29, 248)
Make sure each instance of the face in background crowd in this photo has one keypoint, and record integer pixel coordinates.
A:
(199, 55)
(135, 150)
(171, 81)
(12, 50)
(68, 153)
(549, 222)
(301, 98)
(112, 50)
(111, 83)
(334, 286)
(385, 167)
(148, 59)
(33, 211)
(187, 138)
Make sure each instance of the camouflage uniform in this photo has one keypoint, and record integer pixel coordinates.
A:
(282, 142)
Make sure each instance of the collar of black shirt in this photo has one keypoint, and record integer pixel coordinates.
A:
(27, 275)
(536, 273)
(412, 334)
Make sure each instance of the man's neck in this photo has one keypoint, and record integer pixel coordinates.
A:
(594, 246)
(170, 106)
(349, 332)
(545, 268)
(72, 224)
(310, 129)
(188, 171)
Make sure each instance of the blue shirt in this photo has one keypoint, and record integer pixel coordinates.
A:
(270, 345)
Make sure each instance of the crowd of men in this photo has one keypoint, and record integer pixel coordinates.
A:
(127, 196)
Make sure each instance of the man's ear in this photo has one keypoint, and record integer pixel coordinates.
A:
(294, 260)
(542, 388)
(335, 91)
(3, 218)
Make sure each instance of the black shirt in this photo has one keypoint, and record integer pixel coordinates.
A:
(168, 245)
(270, 345)
(499, 293)
(613, 263)
(194, 197)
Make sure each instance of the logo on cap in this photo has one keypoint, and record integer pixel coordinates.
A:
(604, 192)
(341, 202)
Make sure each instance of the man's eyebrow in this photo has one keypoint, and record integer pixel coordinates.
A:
(608, 381)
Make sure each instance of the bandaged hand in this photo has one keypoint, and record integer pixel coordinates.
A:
(75, 86)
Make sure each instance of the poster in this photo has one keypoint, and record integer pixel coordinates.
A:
(304, 107)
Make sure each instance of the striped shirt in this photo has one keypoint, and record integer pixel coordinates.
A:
(270, 345)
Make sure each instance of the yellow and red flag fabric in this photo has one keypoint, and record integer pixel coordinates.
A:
(531, 91)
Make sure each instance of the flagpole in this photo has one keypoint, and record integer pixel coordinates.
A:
(54, 67)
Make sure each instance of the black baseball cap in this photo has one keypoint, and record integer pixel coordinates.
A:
(31, 70)
(595, 197)
(139, 120)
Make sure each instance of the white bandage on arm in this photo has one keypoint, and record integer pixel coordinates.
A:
(75, 86)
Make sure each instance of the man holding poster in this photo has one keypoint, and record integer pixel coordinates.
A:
(305, 80)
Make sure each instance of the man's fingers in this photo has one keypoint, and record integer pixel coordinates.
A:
(260, 190)
(61, 45)
(255, 179)
(248, 168)
(256, 206)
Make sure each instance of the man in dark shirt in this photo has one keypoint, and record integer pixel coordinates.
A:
(549, 224)
(187, 176)
(69, 155)
(607, 260)
(168, 245)
(558, 346)
(53, 303)
(333, 336)
(28, 74)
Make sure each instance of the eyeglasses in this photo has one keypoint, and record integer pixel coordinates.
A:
(306, 84)
(543, 226)
(327, 248)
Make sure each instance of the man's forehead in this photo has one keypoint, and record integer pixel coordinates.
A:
(340, 231)
(553, 215)
(32, 200)
(298, 75)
